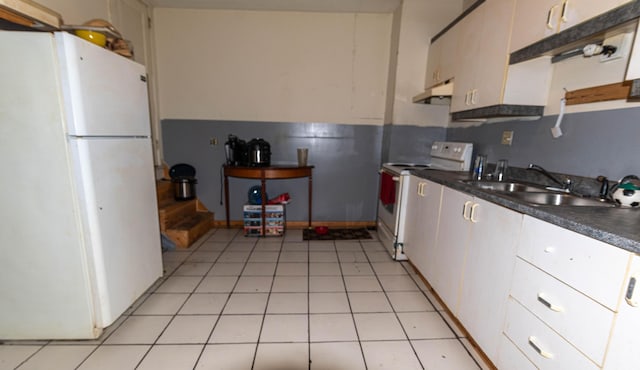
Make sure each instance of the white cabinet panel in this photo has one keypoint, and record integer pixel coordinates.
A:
(423, 212)
(451, 246)
(537, 19)
(483, 56)
(545, 348)
(487, 274)
(511, 358)
(591, 267)
(443, 58)
(580, 320)
(623, 347)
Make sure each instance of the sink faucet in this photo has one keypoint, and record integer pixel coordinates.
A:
(565, 185)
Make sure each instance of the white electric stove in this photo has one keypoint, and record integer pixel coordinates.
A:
(447, 156)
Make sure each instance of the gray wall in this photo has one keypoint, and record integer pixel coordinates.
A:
(346, 160)
(409, 143)
(347, 157)
(593, 143)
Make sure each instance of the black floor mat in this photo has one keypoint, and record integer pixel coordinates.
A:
(337, 234)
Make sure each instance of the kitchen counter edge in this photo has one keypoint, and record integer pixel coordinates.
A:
(615, 226)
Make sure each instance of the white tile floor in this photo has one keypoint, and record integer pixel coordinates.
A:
(231, 302)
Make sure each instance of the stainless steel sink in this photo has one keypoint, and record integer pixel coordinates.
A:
(537, 194)
(506, 186)
(559, 199)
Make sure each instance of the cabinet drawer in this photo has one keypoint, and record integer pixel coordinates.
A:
(510, 357)
(594, 268)
(580, 320)
(544, 347)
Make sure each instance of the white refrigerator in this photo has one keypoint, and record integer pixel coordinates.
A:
(80, 239)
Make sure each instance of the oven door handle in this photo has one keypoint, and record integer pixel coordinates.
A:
(395, 178)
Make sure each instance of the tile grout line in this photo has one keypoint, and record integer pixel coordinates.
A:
(309, 359)
(215, 324)
(353, 318)
(266, 306)
(457, 337)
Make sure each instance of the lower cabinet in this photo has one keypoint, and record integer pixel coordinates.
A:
(423, 214)
(531, 294)
(487, 273)
(450, 251)
(475, 251)
(544, 347)
(623, 347)
(565, 297)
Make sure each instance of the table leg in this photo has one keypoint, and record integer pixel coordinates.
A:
(263, 188)
(310, 197)
(226, 199)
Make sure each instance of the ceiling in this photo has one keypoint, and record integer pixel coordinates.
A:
(339, 6)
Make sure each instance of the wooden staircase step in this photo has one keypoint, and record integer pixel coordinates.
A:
(188, 230)
(172, 212)
(164, 190)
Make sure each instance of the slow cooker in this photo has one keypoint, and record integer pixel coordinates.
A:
(259, 153)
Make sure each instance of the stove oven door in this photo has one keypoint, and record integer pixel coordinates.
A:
(388, 217)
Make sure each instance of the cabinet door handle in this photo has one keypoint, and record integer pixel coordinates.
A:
(474, 96)
(421, 189)
(537, 348)
(473, 213)
(550, 17)
(630, 295)
(565, 7)
(464, 210)
(551, 306)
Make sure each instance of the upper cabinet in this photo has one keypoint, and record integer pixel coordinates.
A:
(536, 19)
(498, 54)
(441, 64)
(482, 65)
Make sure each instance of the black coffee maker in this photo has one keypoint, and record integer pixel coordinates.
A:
(236, 151)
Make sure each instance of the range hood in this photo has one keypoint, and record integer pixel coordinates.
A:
(439, 94)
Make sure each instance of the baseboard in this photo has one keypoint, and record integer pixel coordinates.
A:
(305, 224)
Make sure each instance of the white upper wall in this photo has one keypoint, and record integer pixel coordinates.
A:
(272, 66)
(420, 21)
(78, 11)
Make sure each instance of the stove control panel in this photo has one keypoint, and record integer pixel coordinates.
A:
(452, 150)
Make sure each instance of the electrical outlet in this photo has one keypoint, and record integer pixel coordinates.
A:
(213, 141)
(507, 137)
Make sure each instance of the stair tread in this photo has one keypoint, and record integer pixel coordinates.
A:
(192, 221)
(168, 205)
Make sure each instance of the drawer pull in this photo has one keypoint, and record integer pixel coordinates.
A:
(549, 305)
(541, 352)
(549, 250)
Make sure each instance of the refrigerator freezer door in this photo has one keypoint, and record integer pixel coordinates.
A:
(120, 222)
(105, 94)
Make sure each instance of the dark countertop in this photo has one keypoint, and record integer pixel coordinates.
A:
(619, 227)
